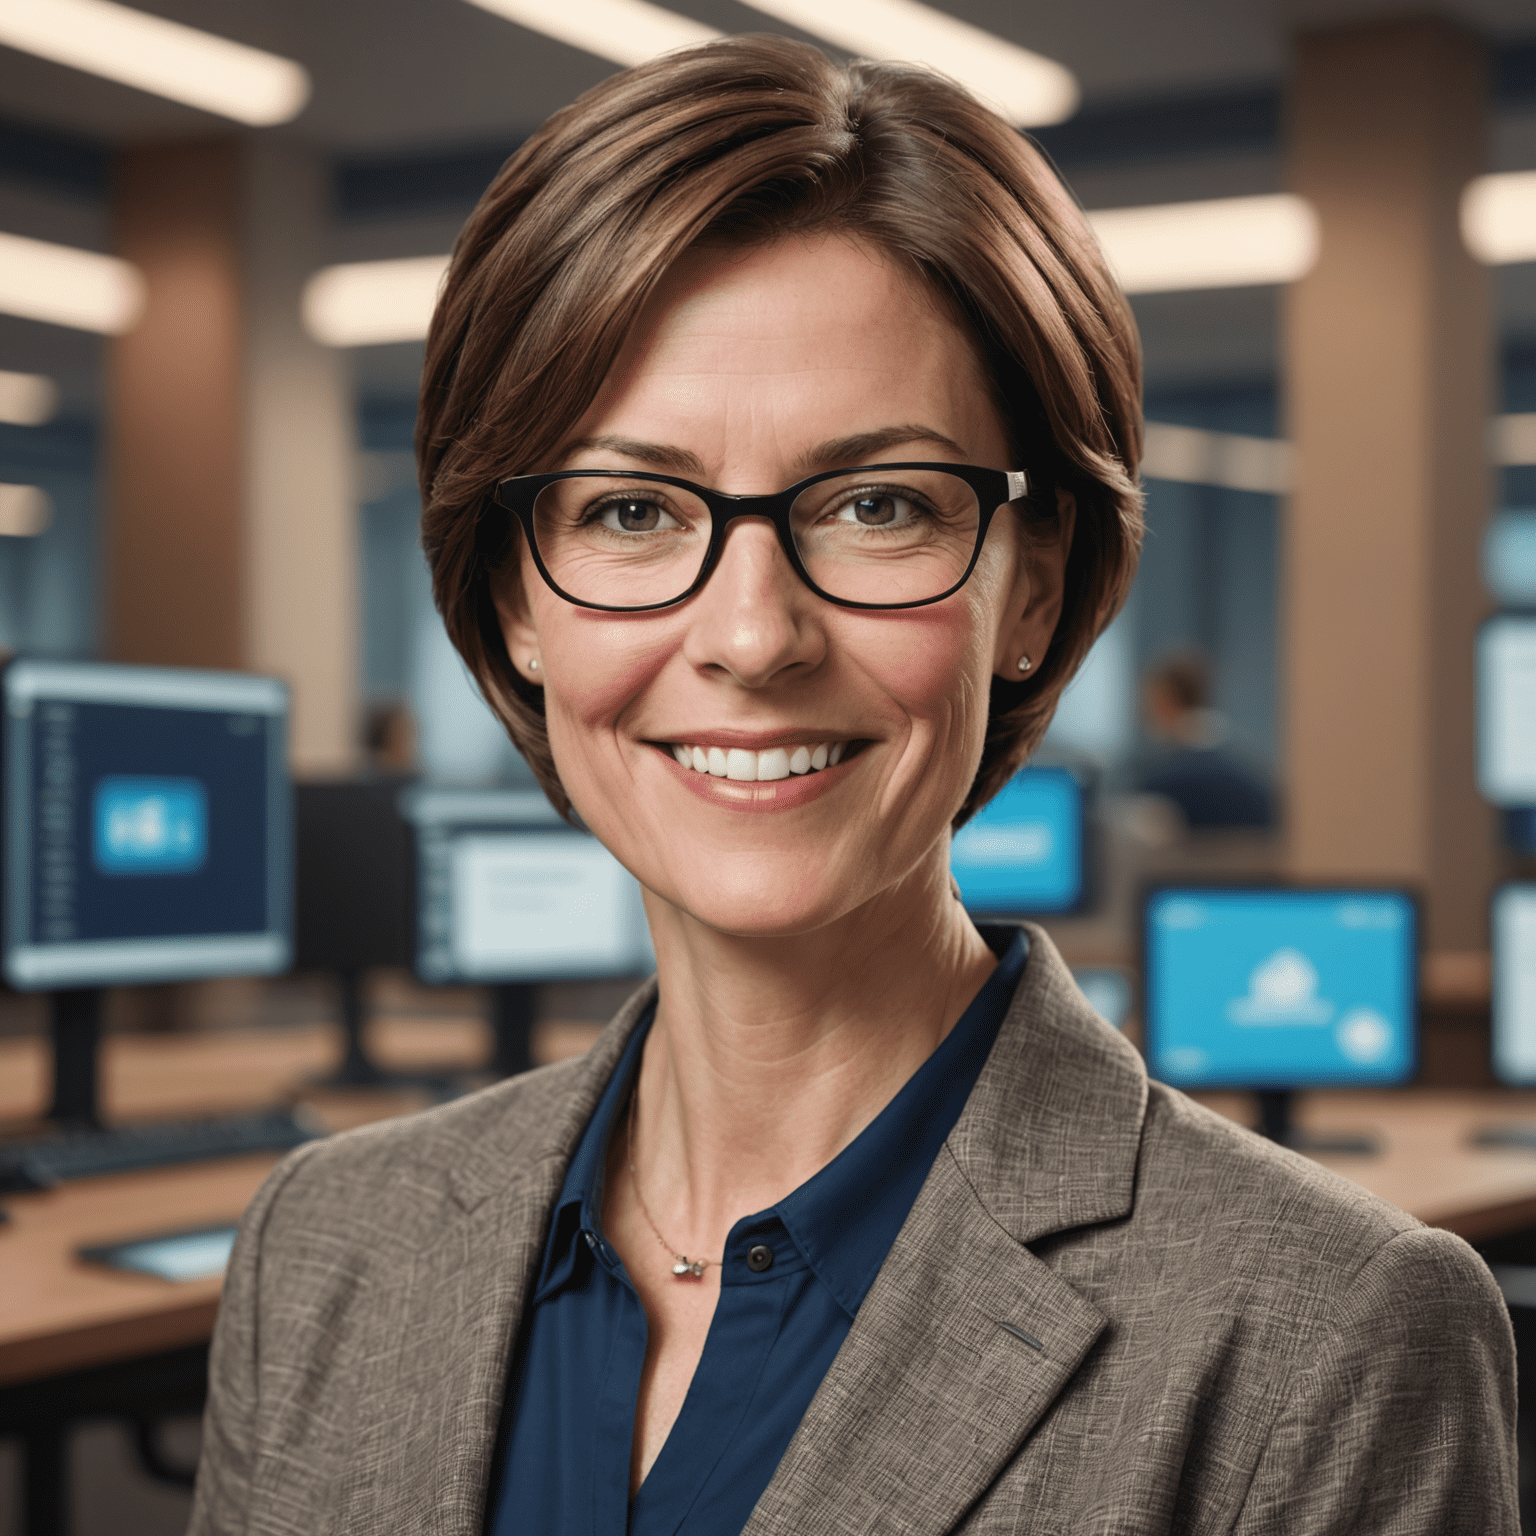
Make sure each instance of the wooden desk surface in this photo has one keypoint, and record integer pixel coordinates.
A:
(59, 1314)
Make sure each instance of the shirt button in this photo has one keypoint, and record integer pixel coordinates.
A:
(759, 1258)
(591, 1240)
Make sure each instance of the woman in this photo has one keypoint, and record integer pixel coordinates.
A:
(778, 440)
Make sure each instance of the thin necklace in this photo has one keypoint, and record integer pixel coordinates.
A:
(683, 1267)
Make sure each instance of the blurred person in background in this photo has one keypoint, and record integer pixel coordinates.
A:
(778, 439)
(1211, 788)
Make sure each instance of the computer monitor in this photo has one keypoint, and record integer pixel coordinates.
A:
(1279, 988)
(355, 904)
(1506, 710)
(1514, 984)
(146, 825)
(146, 838)
(1024, 851)
(510, 895)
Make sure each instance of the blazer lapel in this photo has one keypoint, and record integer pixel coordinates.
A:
(931, 1393)
(966, 1337)
(421, 1454)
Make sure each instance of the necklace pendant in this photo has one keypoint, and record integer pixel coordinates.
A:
(684, 1266)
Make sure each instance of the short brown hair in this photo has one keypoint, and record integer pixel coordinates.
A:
(749, 138)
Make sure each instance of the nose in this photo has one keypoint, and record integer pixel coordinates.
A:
(755, 620)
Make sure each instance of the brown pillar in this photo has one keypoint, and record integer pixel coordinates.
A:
(231, 538)
(174, 526)
(1388, 372)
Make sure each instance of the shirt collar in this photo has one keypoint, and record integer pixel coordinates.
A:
(843, 1219)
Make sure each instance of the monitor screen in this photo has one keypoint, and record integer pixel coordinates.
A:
(1514, 984)
(146, 824)
(508, 892)
(1506, 710)
(1023, 852)
(1280, 988)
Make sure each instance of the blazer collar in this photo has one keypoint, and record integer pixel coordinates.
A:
(966, 1337)
(1050, 1136)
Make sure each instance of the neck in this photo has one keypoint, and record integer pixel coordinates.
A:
(768, 1056)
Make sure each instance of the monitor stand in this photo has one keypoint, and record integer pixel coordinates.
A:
(80, 1146)
(1276, 1122)
(359, 1070)
(512, 1016)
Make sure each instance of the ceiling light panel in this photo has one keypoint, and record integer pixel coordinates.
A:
(159, 56)
(25, 511)
(1028, 89)
(64, 286)
(368, 303)
(622, 31)
(1229, 242)
(1498, 217)
(27, 399)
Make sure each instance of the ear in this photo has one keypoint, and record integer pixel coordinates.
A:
(509, 593)
(1035, 603)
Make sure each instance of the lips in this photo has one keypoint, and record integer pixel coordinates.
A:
(748, 767)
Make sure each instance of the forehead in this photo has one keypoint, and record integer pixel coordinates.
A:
(784, 334)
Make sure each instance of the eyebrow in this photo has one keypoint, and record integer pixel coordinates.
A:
(857, 448)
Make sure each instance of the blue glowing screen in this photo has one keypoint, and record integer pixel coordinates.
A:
(149, 826)
(1280, 988)
(1024, 851)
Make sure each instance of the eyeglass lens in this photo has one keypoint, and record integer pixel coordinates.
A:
(862, 538)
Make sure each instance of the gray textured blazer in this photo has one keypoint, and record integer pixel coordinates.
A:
(1109, 1311)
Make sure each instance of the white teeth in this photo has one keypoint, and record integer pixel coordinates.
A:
(748, 767)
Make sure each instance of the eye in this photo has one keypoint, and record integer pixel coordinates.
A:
(878, 509)
(634, 514)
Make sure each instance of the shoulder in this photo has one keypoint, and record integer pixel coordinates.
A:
(405, 1175)
(1248, 1224)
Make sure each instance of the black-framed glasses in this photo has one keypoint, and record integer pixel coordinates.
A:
(879, 536)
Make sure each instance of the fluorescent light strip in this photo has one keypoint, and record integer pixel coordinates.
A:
(1498, 217)
(159, 56)
(25, 511)
(65, 286)
(27, 399)
(1028, 89)
(1192, 456)
(1228, 459)
(1512, 440)
(365, 303)
(622, 31)
(1229, 242)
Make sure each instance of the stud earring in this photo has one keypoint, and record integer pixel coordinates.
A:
(533, 663)
(1025, 663)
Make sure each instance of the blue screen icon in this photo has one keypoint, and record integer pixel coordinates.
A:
(1024, 851)
(150, 826)
(1280, 988)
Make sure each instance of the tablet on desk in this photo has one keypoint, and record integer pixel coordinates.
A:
(197, 1253)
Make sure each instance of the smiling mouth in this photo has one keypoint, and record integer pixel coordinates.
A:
(749, 767)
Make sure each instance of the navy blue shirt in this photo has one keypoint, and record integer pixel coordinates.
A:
(565, 1467)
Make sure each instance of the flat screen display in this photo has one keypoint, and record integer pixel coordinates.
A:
(1506, 710)
(509, 892)
(1023, 852)
(1514, 984)
(147, 832)
(1280, 988)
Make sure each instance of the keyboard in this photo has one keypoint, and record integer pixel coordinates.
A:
(122, 1149)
